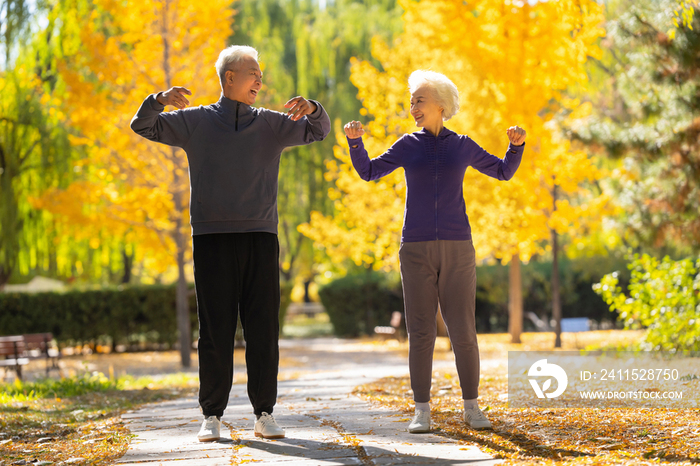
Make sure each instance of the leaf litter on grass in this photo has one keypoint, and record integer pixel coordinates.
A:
(526, 436)
(553, 436)
(76, 420)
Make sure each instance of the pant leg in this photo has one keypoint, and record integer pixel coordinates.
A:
(260, 305)
(457, 291)
(419, 276)
(216, 285)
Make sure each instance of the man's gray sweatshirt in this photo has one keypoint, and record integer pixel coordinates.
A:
(233, 151)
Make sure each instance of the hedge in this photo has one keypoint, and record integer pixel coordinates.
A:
(122, 314)
(357, 303)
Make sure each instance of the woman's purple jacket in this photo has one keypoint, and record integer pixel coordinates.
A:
(434, 168)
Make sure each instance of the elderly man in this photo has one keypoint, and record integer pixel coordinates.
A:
(233, 150)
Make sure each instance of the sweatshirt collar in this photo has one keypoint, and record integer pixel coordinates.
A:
(236, 113)
(229, 105)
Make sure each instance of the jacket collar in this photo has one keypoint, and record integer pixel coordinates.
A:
(229, 106)
(236, 112)
(443, 134)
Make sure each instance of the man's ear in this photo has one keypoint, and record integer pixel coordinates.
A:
(229, 76)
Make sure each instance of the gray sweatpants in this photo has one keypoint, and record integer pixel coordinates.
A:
(444, 272)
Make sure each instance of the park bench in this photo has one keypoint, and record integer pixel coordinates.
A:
(12, 349)
(575, 325)
(18, 350)
(394, 328)
(308, 309)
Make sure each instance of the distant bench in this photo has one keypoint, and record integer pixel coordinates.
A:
(393, 330)
(308, 309)
(575, 324)
(17, 350)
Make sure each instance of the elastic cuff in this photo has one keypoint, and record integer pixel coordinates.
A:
(155, 104)
(318, 111)
(258, 412)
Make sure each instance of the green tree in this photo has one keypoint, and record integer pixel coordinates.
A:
(644, 115)
(663, 298)
(15, 18)
(34, 150)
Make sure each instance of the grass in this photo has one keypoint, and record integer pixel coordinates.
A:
(77, 418)
(302, 326)
(601, 436)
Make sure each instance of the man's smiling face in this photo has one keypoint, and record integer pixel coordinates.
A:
(244, 81)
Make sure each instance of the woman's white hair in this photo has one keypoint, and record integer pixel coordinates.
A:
(444, 90)
(231, 56)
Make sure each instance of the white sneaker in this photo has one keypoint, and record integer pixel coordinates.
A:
(211, 429)
(476, 419)
(266, 427)
(420, 423)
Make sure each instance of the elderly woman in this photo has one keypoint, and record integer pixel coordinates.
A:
(437, 256)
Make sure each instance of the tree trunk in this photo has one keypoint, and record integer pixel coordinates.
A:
(515, 300)
(307, 283)
(181, 299)
(127, 262)
(556, 301)
(9, 212)
(182, 305)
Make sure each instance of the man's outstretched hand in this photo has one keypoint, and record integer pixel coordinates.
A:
(174, 96)
(298, 107)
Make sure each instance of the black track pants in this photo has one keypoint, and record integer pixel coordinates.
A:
(237, 272)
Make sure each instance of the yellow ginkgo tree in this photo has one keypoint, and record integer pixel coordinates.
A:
(121, 52)
(511, 61)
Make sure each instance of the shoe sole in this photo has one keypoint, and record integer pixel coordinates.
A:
(209, 439)
(271, 437)
(418, 431)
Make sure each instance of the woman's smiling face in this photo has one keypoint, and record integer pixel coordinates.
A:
(425, 109)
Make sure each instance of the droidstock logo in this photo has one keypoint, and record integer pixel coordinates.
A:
(542, 369)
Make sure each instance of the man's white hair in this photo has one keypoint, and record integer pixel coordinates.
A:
(444, 90)
(232, 56)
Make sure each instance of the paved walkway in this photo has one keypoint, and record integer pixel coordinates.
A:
(325, 424)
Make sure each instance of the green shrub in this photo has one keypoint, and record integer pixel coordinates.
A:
(357, 303)
(132, 316)
(122, 314)
(576, 279)
(347, 300)
(663, 298)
